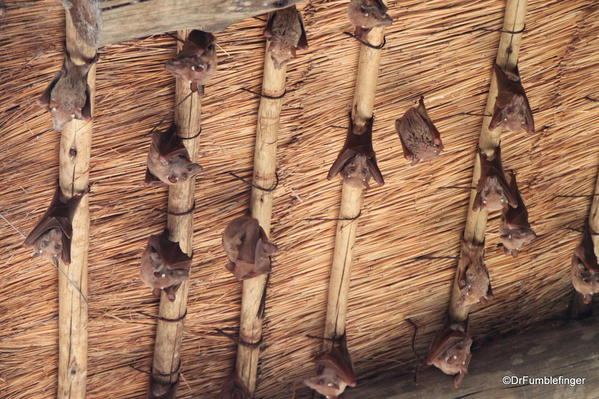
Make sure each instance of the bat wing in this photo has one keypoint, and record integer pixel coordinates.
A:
(86, 112)
(302, 44)
(268, 29)
(44, 100)
(374, 169)
(529, 123)
(169, 143)
(152, 180)
(344, 157)
(171, 253)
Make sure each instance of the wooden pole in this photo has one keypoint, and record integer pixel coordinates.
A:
(167, 357)
(507, 58)
(254, 290)
(74, 155)
(351, 196)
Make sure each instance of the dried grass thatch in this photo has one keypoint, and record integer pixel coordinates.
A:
(434, 48)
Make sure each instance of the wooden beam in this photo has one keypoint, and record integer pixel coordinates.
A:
(265, 164)
(74, 156)
(167, 357)
(550, 349)
(129, 19)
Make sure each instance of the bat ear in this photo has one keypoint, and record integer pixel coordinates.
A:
(375, 171)
(194, 168)
(496, 119)
(529, 123)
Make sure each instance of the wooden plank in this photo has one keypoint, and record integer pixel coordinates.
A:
(569, 350)
(125, 20)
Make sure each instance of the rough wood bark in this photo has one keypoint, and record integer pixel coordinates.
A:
(254, 290)
(127, 19)
(550, 349)
(507, 58)
(74, 155)
(167, 360)
(351, 197)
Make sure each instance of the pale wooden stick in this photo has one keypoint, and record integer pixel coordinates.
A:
(265, 163)
(507, 58)
(167, 357)
(351, 197)
(74, 155)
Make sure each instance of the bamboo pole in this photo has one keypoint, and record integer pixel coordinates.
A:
(167, 357)
(254, 290)
(351, 197)
(74, 156)
(507, 58)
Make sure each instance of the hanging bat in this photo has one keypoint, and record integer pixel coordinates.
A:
(164, 266)
(197, 60)
(234, 388)
(51, 237)
(473, 279)
(68, 95)
(512, 111)
(367, 14)
(450, 351)
(585, 271)
(247, 248)
(286, 33)
(419, 137)
(492, 191)
(515, 231)
(335, 373)
(168, 159)
(357, 161)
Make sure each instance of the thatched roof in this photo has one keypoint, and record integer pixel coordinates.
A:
(442, 50)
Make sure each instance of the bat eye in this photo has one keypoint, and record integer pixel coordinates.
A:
(193, 67)
(157, 274)
(365, 14)
(54, 109)
(505, 119)
(152, 249)
(210, 47)
(172, 179)
(72, 115)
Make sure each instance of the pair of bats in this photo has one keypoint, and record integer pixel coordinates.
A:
(335, 372)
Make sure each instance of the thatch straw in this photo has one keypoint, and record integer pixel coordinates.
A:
(169, 332)
(265, 165)
(74, 161)
(432, 48)
(489, 140)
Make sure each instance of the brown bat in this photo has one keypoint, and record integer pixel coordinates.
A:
(286, 33)
(67, 97)
(164, 266)
(51, 237)
(335, 373)
(585, 271)
(234, 388)
(512, 111)
(492, 191)
(367, 14)
(473, 281)
(247, 248)
(357, 161)
(196, 62)
(450, 351)
(515, 230)
(419, 137)
(168, 159)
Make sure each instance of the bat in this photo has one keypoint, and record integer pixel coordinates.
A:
(234, 388)
(67, 97)
(515, 231)
(450, 351)
(367, 14)
(419, 137)
(585, 271)
(51, 236)
(335, 373)
(512, 111)
(492, 192)
(163, 265)
(197, 60)
(473, 279)
(286, 33)
(357, 161)
(247, 248)
(168, 159)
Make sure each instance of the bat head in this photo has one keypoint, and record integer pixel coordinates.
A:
(163, 264)
(450, 351)
(419, 137)
(514, 116)
(514, 238)
(180, 168)
(368, 14)
(197, 61)
(585, 272)
(49, 245)
(334, 375)
(356, 171)
(493, 195)
(280, 52)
